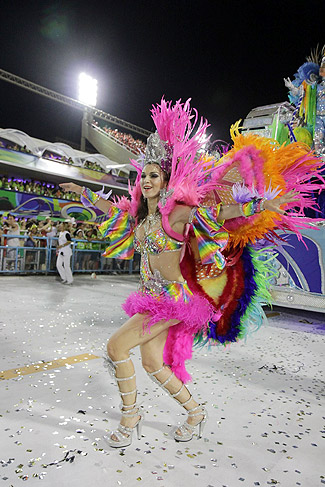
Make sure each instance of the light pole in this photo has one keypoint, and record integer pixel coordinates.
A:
(87, 96)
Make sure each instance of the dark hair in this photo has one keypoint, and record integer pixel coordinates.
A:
(142, 210)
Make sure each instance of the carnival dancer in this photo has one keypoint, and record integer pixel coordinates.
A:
(64, 253)
(307, 92)
(180, 236)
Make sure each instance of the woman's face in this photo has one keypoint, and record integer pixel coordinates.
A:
(152, 181)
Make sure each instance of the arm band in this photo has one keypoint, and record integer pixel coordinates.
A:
(255, 205)
(88, 197)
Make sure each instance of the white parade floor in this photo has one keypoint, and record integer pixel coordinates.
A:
(265, 398)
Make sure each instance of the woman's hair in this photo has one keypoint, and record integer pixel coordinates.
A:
(142, 210)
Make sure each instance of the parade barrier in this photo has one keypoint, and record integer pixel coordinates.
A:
(41, 259)
(299, 269)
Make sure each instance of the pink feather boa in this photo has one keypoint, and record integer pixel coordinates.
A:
(192, 316)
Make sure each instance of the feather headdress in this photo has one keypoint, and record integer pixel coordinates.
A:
(182, 137)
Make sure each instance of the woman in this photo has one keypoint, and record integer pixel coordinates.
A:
(166, 222)
(161, 279)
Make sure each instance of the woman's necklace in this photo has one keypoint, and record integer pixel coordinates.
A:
(150, 222)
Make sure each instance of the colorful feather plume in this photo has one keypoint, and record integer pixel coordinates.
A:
(192, 172)
(245, 289)
(266, 169)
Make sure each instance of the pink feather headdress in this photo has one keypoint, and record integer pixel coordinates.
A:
(177, 147)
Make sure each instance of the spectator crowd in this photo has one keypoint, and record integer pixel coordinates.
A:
(88, 243)
(48, 227)
(135, 145)
(58, 158)
(5, 144)
(40, 188)
(93, 165)
(68, 160)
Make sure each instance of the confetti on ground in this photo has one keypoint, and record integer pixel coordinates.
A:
(265, 397)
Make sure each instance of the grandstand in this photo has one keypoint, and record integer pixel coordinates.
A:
(31, 170)
(22, 156)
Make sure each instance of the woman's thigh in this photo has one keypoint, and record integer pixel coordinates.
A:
(132, 334)
(152, 352)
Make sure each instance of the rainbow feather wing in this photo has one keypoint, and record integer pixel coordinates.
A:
(239, 292)
(264, 168)
(210, 235)
(118, 227)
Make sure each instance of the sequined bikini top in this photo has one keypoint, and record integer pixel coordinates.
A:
(156, 242)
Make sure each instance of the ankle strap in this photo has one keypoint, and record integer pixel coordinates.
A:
(152, 374)
(187, 402)
(200, 408)
(133, 411)
(128, 393)
(168, 379)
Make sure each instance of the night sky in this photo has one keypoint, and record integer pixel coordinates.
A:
(228, 56)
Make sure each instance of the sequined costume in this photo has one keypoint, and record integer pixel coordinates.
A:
(319, 137)
(152, 282)
(159, 296)
(307, 92)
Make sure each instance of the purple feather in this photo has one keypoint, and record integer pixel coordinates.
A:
(104, 195)
(242, 194)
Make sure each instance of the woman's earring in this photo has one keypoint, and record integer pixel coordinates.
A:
(164, 195)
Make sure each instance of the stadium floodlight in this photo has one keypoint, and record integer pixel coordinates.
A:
(87, 89)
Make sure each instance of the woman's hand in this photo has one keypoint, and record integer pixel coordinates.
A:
(274, 205)
(102, 204)
(74, 188)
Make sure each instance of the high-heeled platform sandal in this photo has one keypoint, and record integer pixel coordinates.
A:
(122, 436)
(188, 430)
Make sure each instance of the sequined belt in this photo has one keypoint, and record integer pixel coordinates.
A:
(208, 271)
(159, 287)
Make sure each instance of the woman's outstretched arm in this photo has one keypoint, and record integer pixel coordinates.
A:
(228, 212)
(102, 204)
(180, 215)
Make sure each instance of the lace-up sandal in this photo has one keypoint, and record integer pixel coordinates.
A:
(122, 436)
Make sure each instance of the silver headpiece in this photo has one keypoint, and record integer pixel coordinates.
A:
(158, 152)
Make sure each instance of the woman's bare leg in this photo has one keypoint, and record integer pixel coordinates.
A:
(119, 345)
(152, 360)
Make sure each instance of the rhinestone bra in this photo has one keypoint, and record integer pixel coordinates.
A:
(156, 242)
